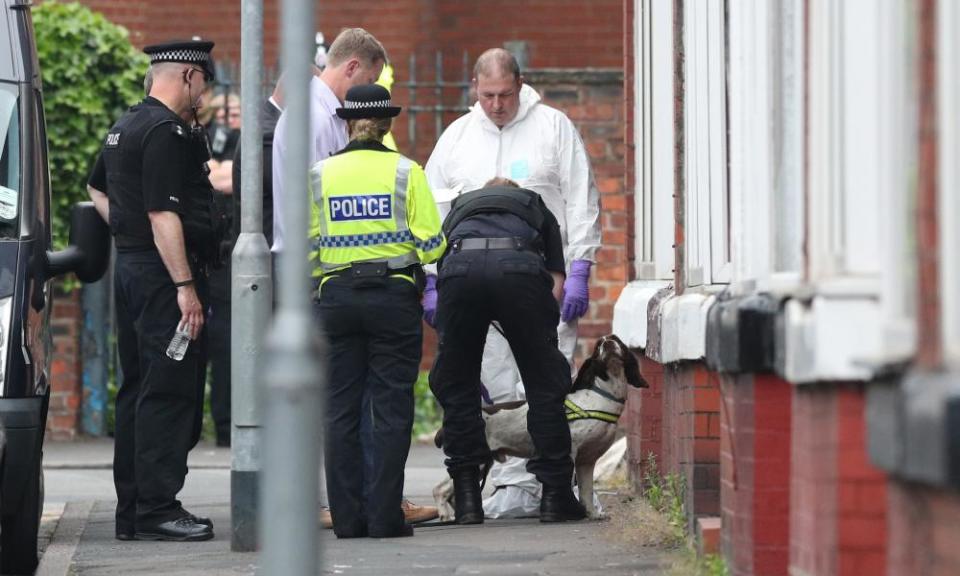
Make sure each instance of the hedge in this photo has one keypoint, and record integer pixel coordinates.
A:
(91, 74)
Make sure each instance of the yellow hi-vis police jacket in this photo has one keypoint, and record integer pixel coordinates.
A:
(371, 204)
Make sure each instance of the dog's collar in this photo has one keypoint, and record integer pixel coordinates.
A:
(575, 412)
(606, 394)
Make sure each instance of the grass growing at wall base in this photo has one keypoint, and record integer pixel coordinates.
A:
(665, 494)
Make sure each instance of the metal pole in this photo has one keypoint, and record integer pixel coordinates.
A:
(294, 371)
(251, 292)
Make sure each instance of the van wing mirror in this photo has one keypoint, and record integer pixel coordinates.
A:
(88, 254)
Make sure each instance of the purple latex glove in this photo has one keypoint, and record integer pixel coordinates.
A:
(576, 295)
(430, 300)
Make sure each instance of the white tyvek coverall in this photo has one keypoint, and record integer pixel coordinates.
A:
(541, 150)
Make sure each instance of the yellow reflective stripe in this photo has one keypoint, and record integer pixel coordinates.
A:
(400, 193)
(316, 182)
(575, 412)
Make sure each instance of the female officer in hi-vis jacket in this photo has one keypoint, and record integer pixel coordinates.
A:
(373, 224)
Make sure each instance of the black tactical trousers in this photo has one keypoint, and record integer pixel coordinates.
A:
(375, 337)
(218, 349)
(159, 402)
(513, 287)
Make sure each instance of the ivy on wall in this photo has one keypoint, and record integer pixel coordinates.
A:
(91, 74)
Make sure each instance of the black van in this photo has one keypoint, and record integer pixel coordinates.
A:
(26, 267)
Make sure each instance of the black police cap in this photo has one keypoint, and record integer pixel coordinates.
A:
(367, 101)
(186, 52)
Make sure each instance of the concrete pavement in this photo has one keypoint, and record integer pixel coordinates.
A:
(79, 517)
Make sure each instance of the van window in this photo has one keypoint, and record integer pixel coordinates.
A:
(9, 161)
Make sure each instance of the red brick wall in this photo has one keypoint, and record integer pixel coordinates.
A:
(736, 472)
(813, 493)
(755, 473)
(862, 491)
(691, 434)
(66, 393)
(838, 499)
(929, 344)
(560, 33)
(643, 421)
(924, 532)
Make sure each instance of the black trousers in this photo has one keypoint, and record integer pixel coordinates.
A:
(218, 348)
(375, 338)
(476, 287)
(159, 402)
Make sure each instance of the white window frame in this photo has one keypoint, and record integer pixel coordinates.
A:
(654, 139)
(788, 171)
(751, 137)
(706, 195)
(948, 97)
(844, 146)
(861, 152)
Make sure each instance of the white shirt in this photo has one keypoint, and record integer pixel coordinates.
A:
(328, 135)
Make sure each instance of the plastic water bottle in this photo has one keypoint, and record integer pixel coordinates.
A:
(178, 345)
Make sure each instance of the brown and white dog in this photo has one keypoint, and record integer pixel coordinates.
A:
(593, 407)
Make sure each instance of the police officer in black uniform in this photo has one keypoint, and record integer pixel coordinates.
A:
(150, 184)
(504, 263)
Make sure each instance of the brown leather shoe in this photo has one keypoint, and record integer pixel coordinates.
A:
(414, 514)
(326, 520)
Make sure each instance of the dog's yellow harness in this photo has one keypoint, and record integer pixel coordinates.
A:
(575, 412)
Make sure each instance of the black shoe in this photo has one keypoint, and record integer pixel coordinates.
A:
(358, 530)
(126, 535)
(468, 503)
(559, 504)
(180, 530)
(402, 532)
(199, 519)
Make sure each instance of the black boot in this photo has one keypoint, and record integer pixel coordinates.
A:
(468, 505)
(559, 504)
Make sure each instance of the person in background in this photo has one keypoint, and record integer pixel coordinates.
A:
(224, 138)
(269, 114)
(373, 225)
(510, 133)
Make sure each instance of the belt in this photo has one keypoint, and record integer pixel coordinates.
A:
(411, 270)
(490, 244)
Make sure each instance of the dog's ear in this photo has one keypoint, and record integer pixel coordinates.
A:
(631, 369)
(586, 374)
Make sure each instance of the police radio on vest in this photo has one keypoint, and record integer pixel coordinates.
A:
(369, 207)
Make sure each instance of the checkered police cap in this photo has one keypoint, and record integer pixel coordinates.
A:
(187, 52)
(367, 101)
